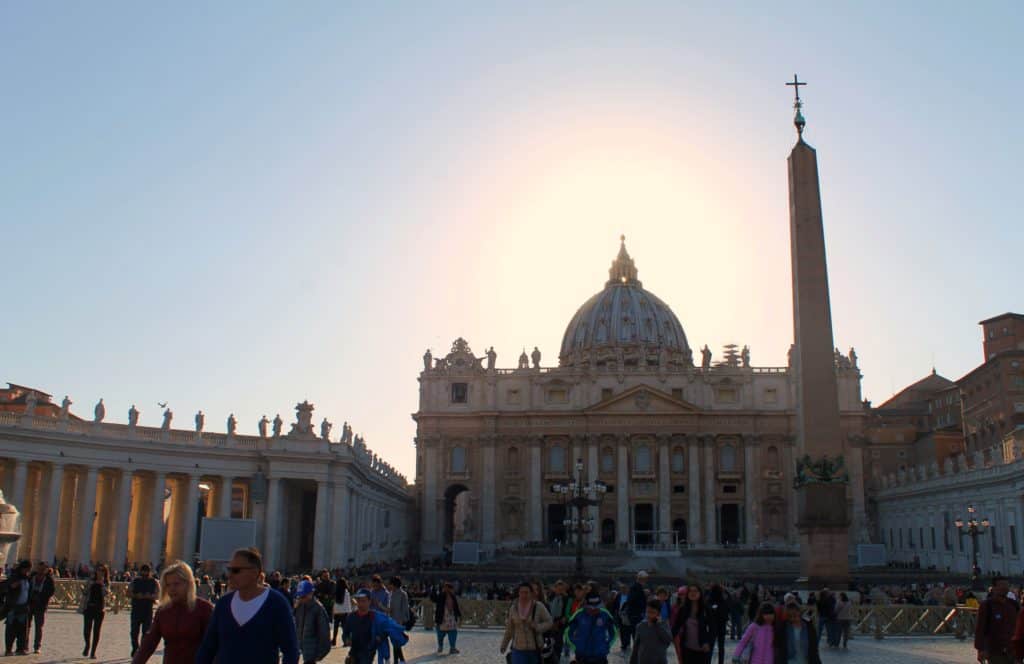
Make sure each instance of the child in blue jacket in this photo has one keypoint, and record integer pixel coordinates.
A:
(591, 632)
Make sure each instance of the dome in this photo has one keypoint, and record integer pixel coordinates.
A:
(624, 323)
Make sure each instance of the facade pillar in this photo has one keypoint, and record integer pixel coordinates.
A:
(487, 501)
(623, 531)
(664, 489)
(338, 544)
(856, 466)
(788, 468)
(270, 531)
(593, 449)
(322, 535)
(710, 499)
(750, 534)
(429, 532)
(536, 518)
(156, 519)
(224, 497)
(17, 498)
(51, 522)
(87, 515)
(694, 532)
(189, 543)
(124, 507)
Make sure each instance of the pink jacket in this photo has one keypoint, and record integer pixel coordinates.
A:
(762, 636)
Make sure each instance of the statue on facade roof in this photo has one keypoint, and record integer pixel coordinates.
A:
(262, 426)
(200, 421)
(232, 424)
(492, 357)
(524, 361)
(853, 358)
(745, 357)
(65, 407)
(278, 423)
(168, 416)
(705, 358)
(427, 360)
(791, 355)
(535, 356)
(133, 416)
(325, 430)
(99, 412)
(30, 403)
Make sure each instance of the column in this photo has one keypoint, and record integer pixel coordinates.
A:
(124, 507)
(429, 533)
(535, 518)
(270, 532)
(750, 534)
(87, 515)
(623, 531)
(788, 468)
(339, 526)
(224, 497)
(856, 466)
(17, 498)
(664, 489)
(593, 450)
(50, 527)
(710, 501)
(322, 534)
(487, 505)
(189, 543)
(694, 533)
(156, 518)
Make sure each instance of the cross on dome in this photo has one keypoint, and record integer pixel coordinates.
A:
(623, 269)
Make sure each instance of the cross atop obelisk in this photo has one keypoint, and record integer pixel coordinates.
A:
(798, 104)
(820, 482)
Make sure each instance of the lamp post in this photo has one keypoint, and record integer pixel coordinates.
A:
(973, 526)
(579, 496)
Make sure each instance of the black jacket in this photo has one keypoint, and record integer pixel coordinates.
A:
(781, 646)
(704, 630)
(39, 600)
(439, 602)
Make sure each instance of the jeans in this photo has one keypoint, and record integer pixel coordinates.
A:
(525, 656)
(832, 629)
(453, 635)
(844, 629)
(140, 624)
(16, 631)
(92, 621)
(626, 634)
(38, 619)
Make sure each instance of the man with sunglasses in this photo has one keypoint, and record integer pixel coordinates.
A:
(250, 624)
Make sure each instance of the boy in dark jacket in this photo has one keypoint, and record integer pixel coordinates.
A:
(652, 637)
(591, 632)
(796, 640)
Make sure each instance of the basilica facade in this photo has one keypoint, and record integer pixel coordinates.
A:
(691, 454)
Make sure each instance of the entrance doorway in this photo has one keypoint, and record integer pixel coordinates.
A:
(556, 529)
(730, 524)
(679, 525)
(458, 516)
(608, 532)
(643, 520)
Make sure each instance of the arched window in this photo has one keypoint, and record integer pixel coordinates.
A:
(727, 459)
(608, 532)
(458, 459)
(771, 460)
(512, 460)
(607, 460)
(678, 460)
(679, 525)
(643, 459)
(556, 459)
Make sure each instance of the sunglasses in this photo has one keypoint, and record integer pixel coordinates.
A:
(238, 570)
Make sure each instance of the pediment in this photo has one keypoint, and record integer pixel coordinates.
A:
(643, 399)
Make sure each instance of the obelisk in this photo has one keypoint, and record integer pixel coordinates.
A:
(822, 515)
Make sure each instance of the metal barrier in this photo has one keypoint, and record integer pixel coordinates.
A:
(67, 594)
(877, 620)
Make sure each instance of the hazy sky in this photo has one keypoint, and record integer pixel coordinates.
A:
(237, 206)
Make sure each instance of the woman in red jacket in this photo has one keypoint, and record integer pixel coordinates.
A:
(180, 620)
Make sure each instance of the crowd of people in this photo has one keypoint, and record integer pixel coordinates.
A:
(247, 615)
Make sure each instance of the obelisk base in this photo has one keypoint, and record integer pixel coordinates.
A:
(824, 528)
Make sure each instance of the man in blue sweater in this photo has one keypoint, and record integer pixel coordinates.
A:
(591, 632)
(251, 625)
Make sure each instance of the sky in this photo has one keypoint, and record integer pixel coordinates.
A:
(238, 206)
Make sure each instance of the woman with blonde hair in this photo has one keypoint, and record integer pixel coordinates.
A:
(180, 620)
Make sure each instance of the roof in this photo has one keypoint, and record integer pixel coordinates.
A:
(1008, 314)
(918, 392)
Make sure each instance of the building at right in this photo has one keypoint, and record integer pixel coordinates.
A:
(947, 462)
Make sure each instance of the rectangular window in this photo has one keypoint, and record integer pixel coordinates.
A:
(677, 392)
(387, 518)
(681, 488)
(606, 393)
(946, 541)
(960, 534)
(609, 488)
(892, 541)
(513, 397)
(901, 538)
(460, 392)
(1013, 540)
(933, 538)
(910, 538)
(771, 395)
(729, 488)
(558, 395)
(920, 537)
(995, 539)
(726, 395)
